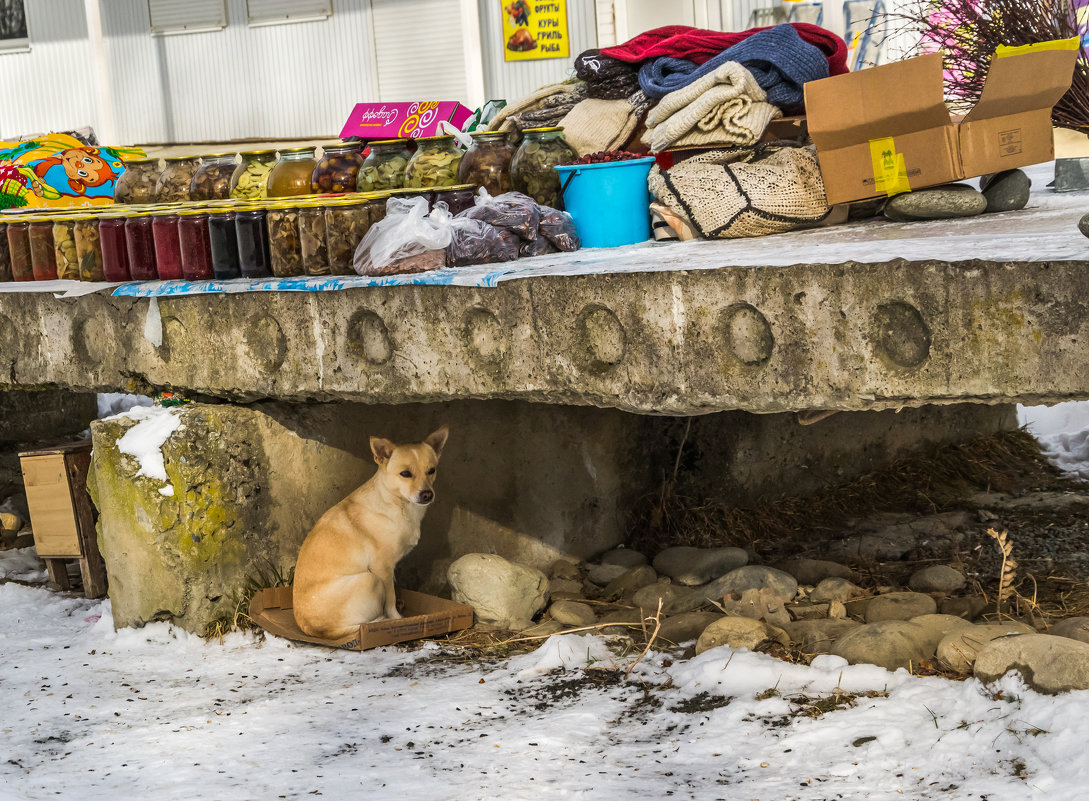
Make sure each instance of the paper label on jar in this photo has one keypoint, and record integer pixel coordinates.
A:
(403, 120)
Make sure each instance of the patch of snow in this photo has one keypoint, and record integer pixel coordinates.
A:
(22, 564)
(112, 403)
(566, 651)
(1063, 431)
(144, 441)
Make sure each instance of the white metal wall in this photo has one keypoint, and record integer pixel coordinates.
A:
(51, 86)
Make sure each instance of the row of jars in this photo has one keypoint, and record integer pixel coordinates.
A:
(491, 162)
(216, 240)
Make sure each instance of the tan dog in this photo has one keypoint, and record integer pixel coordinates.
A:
(344, 576)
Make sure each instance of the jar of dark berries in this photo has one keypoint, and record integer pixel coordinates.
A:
(338, 169)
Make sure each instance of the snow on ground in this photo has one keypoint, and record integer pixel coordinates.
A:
(1063, 431)
(158, 713)
(144, 441)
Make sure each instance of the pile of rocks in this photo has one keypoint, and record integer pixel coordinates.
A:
(1003, 191)
(715, 597)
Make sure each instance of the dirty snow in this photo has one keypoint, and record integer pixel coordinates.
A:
(158, 713)
(1063, 431)
(145, 440)
(111, 403)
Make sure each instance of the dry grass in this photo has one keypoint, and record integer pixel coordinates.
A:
(238, 618)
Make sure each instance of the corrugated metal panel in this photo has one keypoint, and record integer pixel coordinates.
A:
(49, 87)
(511, 80)
(269, 12)
(180, 16)
(606, 23)
(420, 50)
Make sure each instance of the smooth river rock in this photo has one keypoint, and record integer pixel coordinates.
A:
(936, 203)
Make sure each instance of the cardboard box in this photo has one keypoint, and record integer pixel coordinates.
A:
(424, 616)
(403, 120)
(886, 130)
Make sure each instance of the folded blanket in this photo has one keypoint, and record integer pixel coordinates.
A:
(544, 107)
(595, 125)
(606, 78)
(698, 45)
(780, 60)
(724, 107)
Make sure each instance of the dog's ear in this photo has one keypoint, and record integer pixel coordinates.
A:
(382, 449)
(437, 439)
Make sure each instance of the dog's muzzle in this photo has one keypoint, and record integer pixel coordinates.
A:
(425, 496)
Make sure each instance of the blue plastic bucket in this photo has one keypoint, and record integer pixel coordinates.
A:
(609, 202)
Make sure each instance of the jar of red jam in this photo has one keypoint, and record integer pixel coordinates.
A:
(115, 254)
(43, 258)
(164, 234)
(251, 230)
(140, 244)
(223, 243)
(19, 249)
(196, 248)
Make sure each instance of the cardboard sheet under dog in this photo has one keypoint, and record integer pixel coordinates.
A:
(424, 616)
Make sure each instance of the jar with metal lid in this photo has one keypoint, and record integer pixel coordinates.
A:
(5, 253)
(250, 178)
(213, 180)
(346, 223)
(224, 244)
(88, 248)
(435, 162)
(384, 167)
(43, 258)
(251, 230)
(456, 198)
(487, 162)
(176, 178)
(376, 209)
(64, 247)
(137, 183)
(292, 173)
(338, 169)
(531, 168)
(196, 249)
(19, 249)
(140, 246)
(284, 248)
(115, 253)
(164, 235)
(315, 254)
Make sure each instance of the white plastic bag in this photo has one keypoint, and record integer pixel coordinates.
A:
(408, 239)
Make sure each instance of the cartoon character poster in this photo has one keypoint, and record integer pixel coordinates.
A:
(58, 170)
(534, 30)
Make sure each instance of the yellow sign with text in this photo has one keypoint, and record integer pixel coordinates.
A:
(533, 29)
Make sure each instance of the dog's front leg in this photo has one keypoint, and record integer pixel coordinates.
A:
(385, 575)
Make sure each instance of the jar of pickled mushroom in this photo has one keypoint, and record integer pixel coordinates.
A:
(285, 251)
(291, 175)
(88, 248)
(176, 178)
(315, 254)
(384, 167)
(195, 247)
(140, 246)
(43, 257)
(531, 168)
(223, 242)
(250, 178)
(338, 169)
(64, 247)
(435, 162)
(164, 234)
(213, 180)
(346, 223)
(487, 162)
(251, 230)
(115, 254)
(137, 183)
(19, 249)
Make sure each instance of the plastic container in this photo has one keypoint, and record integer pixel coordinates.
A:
(251, 231)
(250, 178)
(19, 249)
(384, 167)
(88, 248)
(196, 249)
(115, 254)
(346, 223)
(435, 163)
(609, 203)
(176, 178)
(213, 180)
(223, 242)
(64, 248)
(140, 246)
(338, 169)
(531, 168)
(5, 253)
(137, 182)
(315, 253)
(164, 233)
(487, 162)
(43, 258)
(285, 252)
(292, 173)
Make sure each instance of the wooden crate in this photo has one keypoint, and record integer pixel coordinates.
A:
(61, 514)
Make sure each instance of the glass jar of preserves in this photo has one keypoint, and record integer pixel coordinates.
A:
(291, 175)
(284, 250)
(531, 168)
(384, 167)
(137, 183)
(19, 249)
(224, 244)
(213, 180)
(487, 162)
(250, 178)
(5, 253)
(435, 162)
(164, 234)
(64, 248)
(140, 246)
(88, 248)
(43, 258)
(346, 223)
(196, 249)
(176, 178)
(115, 253)
(315, 254)
(251, 230)
(456, 198)
(338, 169)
